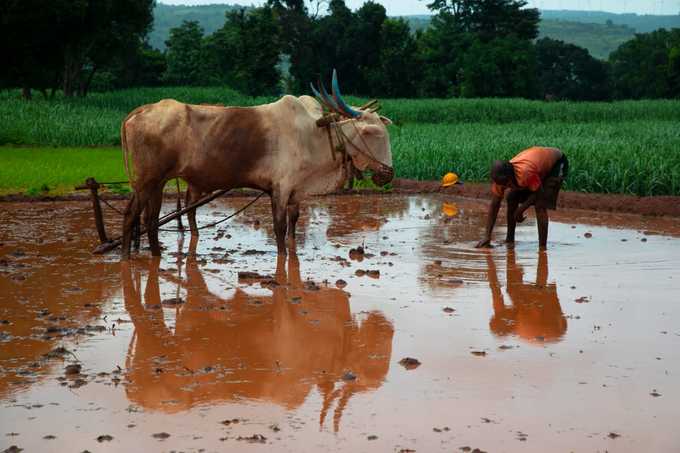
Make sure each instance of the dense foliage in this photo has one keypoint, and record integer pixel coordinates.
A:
(471, 48)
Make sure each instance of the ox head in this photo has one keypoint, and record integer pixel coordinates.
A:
(368, 141)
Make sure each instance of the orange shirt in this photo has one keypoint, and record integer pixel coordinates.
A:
(531, 167)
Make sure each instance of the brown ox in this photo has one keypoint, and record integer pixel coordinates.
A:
(280, 148)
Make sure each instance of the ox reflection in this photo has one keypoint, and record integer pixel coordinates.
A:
(273, 348)
(535, 313)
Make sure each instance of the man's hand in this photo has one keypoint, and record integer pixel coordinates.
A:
(519, 215)
(484, 243)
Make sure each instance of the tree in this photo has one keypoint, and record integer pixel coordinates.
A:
(490, 19)
(246, 51)
(647, 66)
(567, 71)
(395, 72)
(503, 67)
(94, 31)
(479, 48)
(442, 49)
(30, 60)
(67, 41)
(185, 56)
(296, 32)
(334, 50)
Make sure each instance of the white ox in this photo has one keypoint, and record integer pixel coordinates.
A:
(287, 149)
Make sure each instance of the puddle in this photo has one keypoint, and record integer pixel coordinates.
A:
(220, 345)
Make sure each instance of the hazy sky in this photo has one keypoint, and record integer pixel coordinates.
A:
(403, 7)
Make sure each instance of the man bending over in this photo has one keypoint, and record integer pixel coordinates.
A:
(533, 178)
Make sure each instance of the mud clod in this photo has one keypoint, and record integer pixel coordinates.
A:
(372, 437)
(409, 363)
(478, 353)
(104, 438)
(582, 300)
(73, 369)
(12, 449)
(340, 283)
(357, 254)
(233, 421)
(588, 235)
(613, 435)
(449, 310)
(254, 439)
(160, 436)
(252, 252)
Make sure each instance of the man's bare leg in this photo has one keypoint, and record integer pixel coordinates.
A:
(542, 220)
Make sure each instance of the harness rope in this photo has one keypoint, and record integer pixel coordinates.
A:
(343, 139)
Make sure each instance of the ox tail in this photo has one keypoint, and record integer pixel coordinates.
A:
(124, 147)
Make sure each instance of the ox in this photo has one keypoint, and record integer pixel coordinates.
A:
(290, 149)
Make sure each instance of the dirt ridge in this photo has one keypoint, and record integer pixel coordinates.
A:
(667, 206)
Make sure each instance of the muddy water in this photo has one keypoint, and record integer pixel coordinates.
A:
(576, 349)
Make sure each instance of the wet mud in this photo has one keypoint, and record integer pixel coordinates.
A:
(386, 331)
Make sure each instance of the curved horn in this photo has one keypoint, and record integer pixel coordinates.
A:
(329, 99)
(337, 96)
(320, 98)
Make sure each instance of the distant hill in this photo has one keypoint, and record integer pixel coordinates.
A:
(599, 39)
(599, 32)
(640, 23)
(211, 18)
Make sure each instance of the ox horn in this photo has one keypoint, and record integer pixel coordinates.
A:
(340, 102)
(324, 99)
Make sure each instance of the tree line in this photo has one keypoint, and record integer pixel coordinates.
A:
(472, 48)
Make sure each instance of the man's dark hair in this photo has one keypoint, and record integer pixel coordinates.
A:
(502, 170)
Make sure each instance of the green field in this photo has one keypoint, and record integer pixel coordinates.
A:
(623, 147)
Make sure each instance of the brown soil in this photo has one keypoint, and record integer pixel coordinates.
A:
(629, 204)
(653, 206)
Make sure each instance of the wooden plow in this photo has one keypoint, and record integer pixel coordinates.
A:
(105, 244)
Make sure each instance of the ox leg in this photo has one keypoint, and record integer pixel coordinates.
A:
(132, 212)
(193, 196)
(279, 213)
(293, 216)
(153, 209)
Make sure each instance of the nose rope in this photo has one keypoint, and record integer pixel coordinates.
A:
(344, 138)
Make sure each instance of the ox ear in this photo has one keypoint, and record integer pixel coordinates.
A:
(386, 121)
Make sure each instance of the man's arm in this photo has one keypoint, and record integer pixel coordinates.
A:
(519, 213)
(494, 207)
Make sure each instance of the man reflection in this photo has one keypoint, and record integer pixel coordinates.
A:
(535, 314)
(274, 348)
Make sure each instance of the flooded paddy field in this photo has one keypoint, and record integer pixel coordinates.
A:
(420, 343)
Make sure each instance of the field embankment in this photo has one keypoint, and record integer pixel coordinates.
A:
(630, 147)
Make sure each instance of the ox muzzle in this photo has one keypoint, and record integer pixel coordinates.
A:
(382, 175)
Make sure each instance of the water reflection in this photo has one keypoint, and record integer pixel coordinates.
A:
(534, 313)
(275, 348)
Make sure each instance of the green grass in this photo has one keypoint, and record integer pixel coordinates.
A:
(30, 170)
(624, 147)
(633, 157)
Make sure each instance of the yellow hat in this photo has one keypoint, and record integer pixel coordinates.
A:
(449, 180)
(450, 209)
